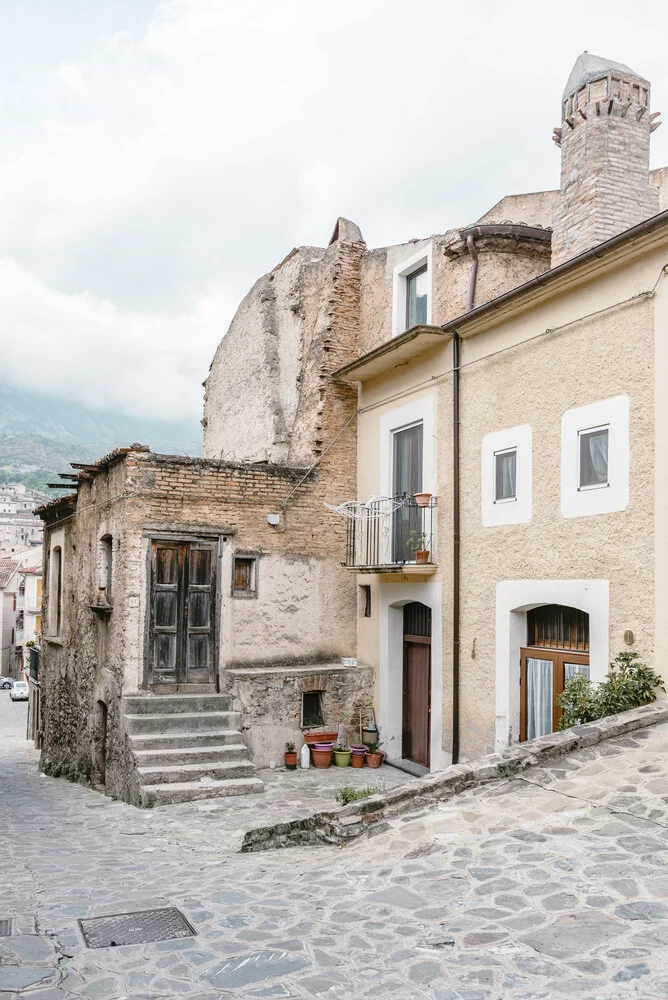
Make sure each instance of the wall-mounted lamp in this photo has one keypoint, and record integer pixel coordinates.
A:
(629, 637)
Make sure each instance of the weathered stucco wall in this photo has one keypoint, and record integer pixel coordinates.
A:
(535, 208)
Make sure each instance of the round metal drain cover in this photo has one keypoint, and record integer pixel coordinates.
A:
(139, 927)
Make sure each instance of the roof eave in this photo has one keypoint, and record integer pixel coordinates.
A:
(410, 344)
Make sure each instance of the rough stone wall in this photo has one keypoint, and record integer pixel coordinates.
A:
(536, 208)
(270, 703)
(266, 392)
(604, 139)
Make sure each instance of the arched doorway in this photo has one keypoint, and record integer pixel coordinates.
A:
(416, 726)
(557, 647)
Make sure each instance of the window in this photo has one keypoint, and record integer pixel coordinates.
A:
(55, 616)
(417, 295)
(104, 582)
(312, 709)
(411, 291)
(593, 458)
(365, 601)
(505, 475)
(408, 520)
(244, 576)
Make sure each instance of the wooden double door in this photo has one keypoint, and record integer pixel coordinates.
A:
(182, 613)
(416, 729)
(543, 674)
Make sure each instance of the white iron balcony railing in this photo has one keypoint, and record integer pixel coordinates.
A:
(391, 532)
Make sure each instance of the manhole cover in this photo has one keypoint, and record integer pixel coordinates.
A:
(135, 928)
(5, 927)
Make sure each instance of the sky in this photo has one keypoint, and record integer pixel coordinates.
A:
(157, 158)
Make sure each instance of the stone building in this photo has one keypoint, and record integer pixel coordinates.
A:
(197, 611)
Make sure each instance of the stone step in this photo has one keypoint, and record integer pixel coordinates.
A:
(190, 791)
(216, 754)
(190, 722)
(177, 740)
(163, 704)
(195, 772)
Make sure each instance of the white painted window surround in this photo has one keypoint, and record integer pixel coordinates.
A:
(419, 411)
(402, 270)
(613, 414)
(507, 511)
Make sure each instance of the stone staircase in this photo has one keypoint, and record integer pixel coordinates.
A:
(187, 746)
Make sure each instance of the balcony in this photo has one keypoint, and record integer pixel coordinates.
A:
(391, 535)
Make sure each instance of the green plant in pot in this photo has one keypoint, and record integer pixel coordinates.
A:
(290, 756)
(374, 755)
(417, 541)
(342, 756)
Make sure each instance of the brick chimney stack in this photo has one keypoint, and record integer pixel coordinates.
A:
(604, 140)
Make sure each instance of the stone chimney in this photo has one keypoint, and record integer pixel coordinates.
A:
(604, 140)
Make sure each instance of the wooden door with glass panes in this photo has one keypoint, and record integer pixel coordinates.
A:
(558, 647)
(181, 633)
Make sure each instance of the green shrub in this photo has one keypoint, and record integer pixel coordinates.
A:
(349, 794)
(628, 684)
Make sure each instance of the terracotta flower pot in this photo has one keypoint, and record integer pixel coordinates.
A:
(290, 761)
(321, 758)
(357, 760)
(374, 759)
(311, 738)
(422, 556)
(422, 499)
(342, 758)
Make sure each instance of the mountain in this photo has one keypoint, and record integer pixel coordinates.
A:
(41, 435)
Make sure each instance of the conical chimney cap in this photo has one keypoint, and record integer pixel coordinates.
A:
(588, 67)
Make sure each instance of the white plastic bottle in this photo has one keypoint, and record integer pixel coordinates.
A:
(304, 757)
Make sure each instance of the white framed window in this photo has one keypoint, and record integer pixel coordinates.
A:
(412, 291)
(506, 476)
(595, 458)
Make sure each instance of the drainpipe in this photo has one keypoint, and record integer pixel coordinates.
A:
(470, 243)
(455, 541)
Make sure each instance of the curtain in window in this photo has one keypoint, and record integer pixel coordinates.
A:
(570, 669)
(539, 697)
(594, 458)
(506, 475)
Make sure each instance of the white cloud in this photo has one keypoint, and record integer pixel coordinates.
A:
(187, 146)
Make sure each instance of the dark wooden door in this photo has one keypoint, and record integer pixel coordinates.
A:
(543, 673)
(417, 684)
(182, 613)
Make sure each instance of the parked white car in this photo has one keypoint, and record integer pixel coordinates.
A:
(20, 691)
(6, 682)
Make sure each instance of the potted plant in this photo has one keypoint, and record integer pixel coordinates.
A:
(374, 755)
(342, 756)
(422, 499)
(322, 754)
(357, 755)
(416, 542)
(290, 756)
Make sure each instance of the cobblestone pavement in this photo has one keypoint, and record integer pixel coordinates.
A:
(552, 885)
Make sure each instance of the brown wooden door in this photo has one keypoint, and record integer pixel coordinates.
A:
(417, 684)
(543, 673)
(181, 646)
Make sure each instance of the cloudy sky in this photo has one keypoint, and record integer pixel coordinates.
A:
(158, 157)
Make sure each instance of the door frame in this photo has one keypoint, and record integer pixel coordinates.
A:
(203, 535)
(558, 658)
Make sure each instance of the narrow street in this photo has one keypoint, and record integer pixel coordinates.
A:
(549, 886)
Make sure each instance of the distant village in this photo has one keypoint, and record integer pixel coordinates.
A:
(20, 576)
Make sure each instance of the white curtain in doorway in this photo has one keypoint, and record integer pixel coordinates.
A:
(539, 697)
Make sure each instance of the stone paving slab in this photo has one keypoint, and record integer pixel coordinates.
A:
(548, 886)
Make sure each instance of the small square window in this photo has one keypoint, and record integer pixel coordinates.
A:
(594, 457)
(365, 602)
(505, 475)
(312, 709)
(417, 293)
(244, 576)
